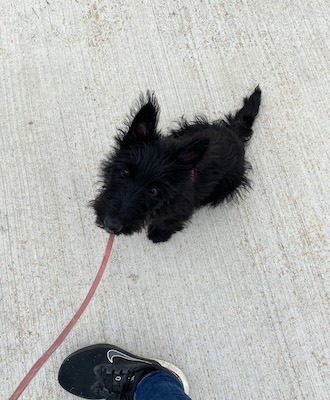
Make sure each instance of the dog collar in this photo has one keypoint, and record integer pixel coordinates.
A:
(192, 175)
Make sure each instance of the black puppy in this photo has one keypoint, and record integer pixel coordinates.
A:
(158, 181)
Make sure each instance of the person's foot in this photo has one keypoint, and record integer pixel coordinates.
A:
(103, 371)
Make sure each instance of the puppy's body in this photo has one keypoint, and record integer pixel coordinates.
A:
(159, 181)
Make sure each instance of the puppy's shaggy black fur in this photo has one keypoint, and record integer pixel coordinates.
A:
(158, 181)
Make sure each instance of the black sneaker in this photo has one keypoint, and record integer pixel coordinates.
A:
(103, 371)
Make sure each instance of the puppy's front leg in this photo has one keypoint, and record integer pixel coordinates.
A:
(164, 225)
(158, 235)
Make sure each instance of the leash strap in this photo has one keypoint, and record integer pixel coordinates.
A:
(21, 387)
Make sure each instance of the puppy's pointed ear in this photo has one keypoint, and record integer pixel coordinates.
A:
(145, 121)
(191, 152)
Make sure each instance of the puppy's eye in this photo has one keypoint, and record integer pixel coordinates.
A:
(154, 192)
(124, 173)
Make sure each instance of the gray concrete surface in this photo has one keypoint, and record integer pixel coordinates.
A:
(239, 299)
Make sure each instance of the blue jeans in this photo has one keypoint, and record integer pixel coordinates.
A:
(160, 386)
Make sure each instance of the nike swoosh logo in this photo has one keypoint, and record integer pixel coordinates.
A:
(111, 354)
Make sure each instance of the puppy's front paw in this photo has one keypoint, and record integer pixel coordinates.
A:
(158, 235)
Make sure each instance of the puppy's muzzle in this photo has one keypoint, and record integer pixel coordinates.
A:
(113, 225)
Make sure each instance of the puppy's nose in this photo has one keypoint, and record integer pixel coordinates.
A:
(113, 224)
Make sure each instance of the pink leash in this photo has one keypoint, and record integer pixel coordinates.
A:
(68, 328)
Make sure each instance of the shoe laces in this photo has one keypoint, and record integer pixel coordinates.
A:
(112, 383)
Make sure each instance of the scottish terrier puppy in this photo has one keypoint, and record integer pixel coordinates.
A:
(156, 181)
